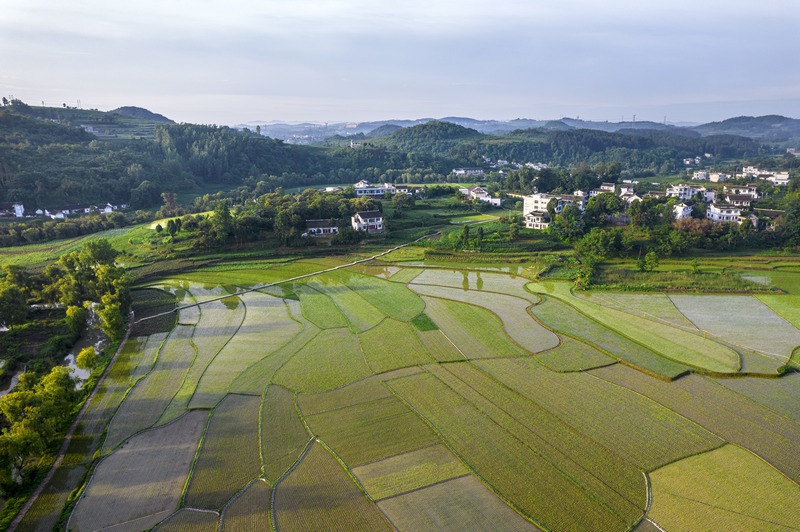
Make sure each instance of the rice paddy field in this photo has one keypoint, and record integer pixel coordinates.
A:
(385, 396)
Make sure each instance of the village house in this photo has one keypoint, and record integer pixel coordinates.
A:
(739, 200)
(479, 193)
(722, 212)
(322, 227)
(369, 221)
(749, 190)
(681, 210)
(17, 210)
(366, 189)
(716, 177)
(537, 220)
(687, 192)
(468, 171)
(700, 176)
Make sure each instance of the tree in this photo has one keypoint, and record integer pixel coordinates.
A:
(87, 358)
(76, 319)
(13, 305)
(647, 263)
(112, 319)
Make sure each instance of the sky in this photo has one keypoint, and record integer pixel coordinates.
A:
(243, 61)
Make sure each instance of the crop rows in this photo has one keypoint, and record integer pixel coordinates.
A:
(394, 300)
(359, 432)
(507, 464)
(229, 457)
(644, 432)
(490, 282)
(250, 510)
(188, 520)
(283, 434)
(319, 309)
(392, 345)
(361, 315)
(573, 355)
(518, 325)
(475, 331)
(319, 495)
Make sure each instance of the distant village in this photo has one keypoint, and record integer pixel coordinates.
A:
(17, 210)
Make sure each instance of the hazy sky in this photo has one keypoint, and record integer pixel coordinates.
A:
(357, 60)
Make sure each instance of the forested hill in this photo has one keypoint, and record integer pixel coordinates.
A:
(636, 149)
(770, 128)
(139, 112)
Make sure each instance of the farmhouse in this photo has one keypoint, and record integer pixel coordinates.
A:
(749, 190)
(739, 200)
(686, 192)
(368, 190)
(16, 210)
(369, 221)
(479, 193)
(723, 212)
(468, 171)
(537, 220)
(682, 210)
(321, 227)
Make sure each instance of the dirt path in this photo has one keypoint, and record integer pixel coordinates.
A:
(68, 438)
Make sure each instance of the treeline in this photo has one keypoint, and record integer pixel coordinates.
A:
(34, 416)
(16, 234)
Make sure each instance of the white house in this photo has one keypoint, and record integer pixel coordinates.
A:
(700, 176)
(366, 189)
(686, 192)
(536, 202)
(468, 171)
(12, 209)
(739, 200)
(537, 220)
(322, 227)
(717, 177)
(480, 194)
(722, 212)
(682, 210)
(369, 221)
(749, 190)
(779, 179)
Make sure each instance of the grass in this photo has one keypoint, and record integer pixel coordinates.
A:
(728, 488)
(189, 520)
(475, 331)
(359, 432)
(409, 471)
(330, 360)
(422, 322)
(392, 345)
(512, 311)
(137, 486)
(229, 457)
(250, 510)
(267, 326)
(460, 504)
(507, 464)
(283, 434)
(320, 495)
(573, 355)
(731, 416)
(439, 346)
(626, 278)
(146, 402)
(646, 433)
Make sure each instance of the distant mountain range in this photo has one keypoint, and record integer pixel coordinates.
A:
(772, 129)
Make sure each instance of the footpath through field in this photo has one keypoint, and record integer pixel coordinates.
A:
(268, 285)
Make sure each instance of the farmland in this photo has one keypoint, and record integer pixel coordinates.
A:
(384, 395)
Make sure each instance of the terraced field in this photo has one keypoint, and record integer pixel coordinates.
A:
(387, 396)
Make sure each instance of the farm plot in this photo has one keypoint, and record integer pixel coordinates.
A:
(602, 475)
(475, 331)
(785, 306)
(140, 483)
(781, 395)
(658, 307)
(643, 431)
(392, 345)
(216, 326)
(371, 431)
(319, 495)
(409, 472)
(375, 269)
(565, 319)
(145, 356)
(468, 280)
(254, 380)
(229, 457)
(188, 520)
(742, 320)
(250, 510)
(512, 311)
(394, 300)
(368, 389)
(726, 489)
(507, 464)
(148, 399)
(670, 342)
(361, 315)
(283, 434)
(267, 326)
(253, 277)
(439, 346)
(733, 417)
(331, 359)
(319, 309)
(406, 275)
(460, 504)
(573, 355)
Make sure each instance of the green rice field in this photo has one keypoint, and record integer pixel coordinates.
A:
(433, 398)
